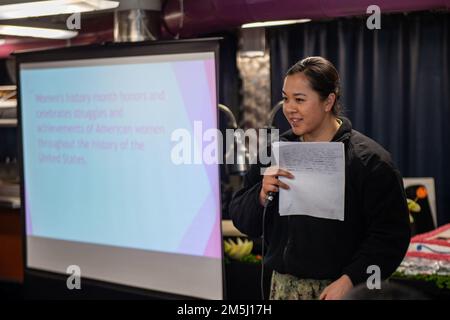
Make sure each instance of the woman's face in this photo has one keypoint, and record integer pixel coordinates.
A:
(303, 107)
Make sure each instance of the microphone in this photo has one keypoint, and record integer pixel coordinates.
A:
(269, 198)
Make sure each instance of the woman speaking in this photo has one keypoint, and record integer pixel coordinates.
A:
(318, 258)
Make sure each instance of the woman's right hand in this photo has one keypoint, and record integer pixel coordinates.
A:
(271, 183)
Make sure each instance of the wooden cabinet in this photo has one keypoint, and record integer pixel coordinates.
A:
(11, 265)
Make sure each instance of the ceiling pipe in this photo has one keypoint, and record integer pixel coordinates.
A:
(137, 20)
(205, 16)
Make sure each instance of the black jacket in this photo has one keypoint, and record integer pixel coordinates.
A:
(375, 230)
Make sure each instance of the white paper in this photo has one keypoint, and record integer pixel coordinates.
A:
(318, 187)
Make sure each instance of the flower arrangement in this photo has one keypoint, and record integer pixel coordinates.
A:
(240, 250)
(413, 206)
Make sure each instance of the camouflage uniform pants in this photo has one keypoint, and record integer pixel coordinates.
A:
(287, 287)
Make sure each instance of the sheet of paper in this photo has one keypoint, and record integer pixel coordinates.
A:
(318, 189)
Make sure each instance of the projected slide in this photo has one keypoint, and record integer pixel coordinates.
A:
(101, 189)
(98, 152)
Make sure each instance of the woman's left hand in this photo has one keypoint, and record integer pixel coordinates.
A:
(337, 289)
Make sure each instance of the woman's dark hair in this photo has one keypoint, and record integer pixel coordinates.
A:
(322, 76)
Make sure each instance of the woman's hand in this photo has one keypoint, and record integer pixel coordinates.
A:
(272, 183)
(337, 289)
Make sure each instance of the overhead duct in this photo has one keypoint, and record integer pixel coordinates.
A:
(137, 20)
(204, 16)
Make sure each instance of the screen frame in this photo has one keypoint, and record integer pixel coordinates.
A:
(96, 51)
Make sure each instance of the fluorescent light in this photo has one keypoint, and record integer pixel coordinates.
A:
(53, 7)
(36, 32)
(273, 23)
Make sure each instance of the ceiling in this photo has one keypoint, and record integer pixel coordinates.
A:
(204, 16)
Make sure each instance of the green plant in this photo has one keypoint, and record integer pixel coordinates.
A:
(441, 281)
